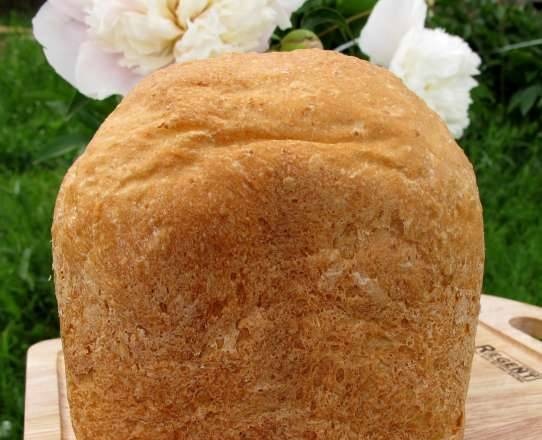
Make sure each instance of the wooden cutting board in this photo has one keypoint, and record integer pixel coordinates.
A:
(505, 393)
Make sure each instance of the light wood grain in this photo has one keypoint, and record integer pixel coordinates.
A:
(42, 420)
(65, 419)
(499, 406)
(509, 316)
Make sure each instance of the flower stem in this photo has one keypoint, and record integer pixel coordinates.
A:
(348, 20)
(345, 46)
(522, 45)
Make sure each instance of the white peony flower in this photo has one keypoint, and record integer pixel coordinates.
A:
(60, 28)
(143, 32)
(234, 26)
(389, 21)
(103, 47)
(439, 68)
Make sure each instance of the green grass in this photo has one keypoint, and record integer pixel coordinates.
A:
(508, 161)
(504, 141)
(31, 98)
(27, 305)
(44, 124)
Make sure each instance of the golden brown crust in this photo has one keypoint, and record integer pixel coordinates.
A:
(276, 246)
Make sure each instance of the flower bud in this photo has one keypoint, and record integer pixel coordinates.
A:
(300, 39)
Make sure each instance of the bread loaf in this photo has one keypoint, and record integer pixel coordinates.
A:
(269, 246)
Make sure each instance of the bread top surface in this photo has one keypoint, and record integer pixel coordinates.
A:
(209, 139)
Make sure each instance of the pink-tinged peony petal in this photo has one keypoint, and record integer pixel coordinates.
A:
(61, 37)
(389, 21)
(73, 8)
(99, 75)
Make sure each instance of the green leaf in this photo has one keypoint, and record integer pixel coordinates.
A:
(78, 102)
(526, 99)
(61, 146)
(316, 18)
(24, 268)
(500, 12)
(9, 305)
(352, 7)
(530, 76)
(309, 5)
(16, 187)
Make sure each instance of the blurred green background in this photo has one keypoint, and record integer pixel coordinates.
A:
(44, 124)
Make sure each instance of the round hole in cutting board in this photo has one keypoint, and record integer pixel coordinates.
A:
(531, 326)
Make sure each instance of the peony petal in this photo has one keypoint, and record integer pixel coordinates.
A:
(99, 75)
(75, 9)
(142, 34)
(389, 21)
(202, 39)
(233, 26)
(285, 9)
(188, 10)
(61, 36)
(439, 68)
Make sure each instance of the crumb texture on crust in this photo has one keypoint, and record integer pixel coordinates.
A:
(269, 246)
